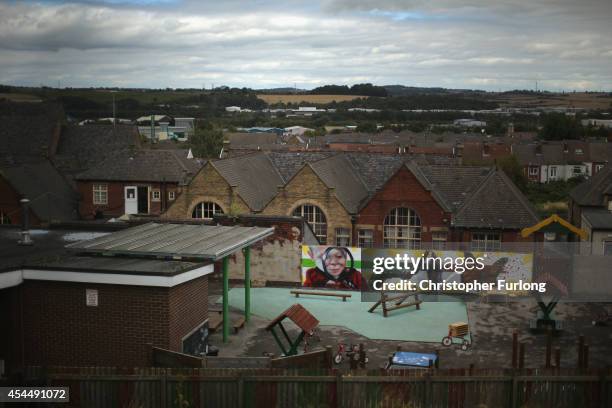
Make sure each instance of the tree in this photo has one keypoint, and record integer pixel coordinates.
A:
(206, 141)
(558, 126)
(513, 169)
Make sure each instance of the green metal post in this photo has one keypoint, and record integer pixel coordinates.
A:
(247, 283)
(226, 321)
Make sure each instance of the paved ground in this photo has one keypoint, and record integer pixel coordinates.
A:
(491, 325)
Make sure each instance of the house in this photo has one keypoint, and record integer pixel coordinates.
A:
(51, 198)
(590, 208)
(484, 152)
(143, 182)
(544, 162)
(361, 198)
(297, 130)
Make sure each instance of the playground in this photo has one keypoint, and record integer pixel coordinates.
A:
(429, 324)
(491, 326)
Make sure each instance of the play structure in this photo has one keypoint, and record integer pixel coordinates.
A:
(398, 302)
(544, 319)
(302, 318)
(297, 294)
(457, 332)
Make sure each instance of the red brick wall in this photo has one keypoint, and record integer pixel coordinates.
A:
(402, 190)
(10, 327)
(116, 202)
(10, 206)
(188, 308)
(61, 330)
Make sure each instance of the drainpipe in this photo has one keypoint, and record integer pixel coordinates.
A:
(25, 223)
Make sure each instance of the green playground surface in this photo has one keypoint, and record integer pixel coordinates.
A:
(429, 324)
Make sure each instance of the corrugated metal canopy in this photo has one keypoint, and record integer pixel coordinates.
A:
(177, 241)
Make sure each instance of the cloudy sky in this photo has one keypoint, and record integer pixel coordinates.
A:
(483, 44)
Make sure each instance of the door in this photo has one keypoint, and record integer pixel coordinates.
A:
(143, 200)
(131, 200)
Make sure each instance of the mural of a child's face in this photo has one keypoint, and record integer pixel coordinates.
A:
(335, 262)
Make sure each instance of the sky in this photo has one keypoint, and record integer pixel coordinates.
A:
(475, 44)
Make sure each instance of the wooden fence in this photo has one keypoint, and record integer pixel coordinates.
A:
(271, 387)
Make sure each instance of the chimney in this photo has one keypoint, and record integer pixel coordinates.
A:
(25, 223)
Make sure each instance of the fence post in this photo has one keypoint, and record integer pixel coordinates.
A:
(240, 386)
(514, 395)
(338, 389)
(163, 384)
(514, 348)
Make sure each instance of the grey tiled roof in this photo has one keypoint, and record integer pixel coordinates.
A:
(599, 218)
(289, 163)
(456, 183)
(51, 197)
(591, 192)
(243, 139)
(83, 147)
(496, 203)
(337, 172)
(254, 175)
(145, 165)
(26, 130)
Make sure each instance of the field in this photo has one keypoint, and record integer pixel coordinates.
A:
(296, 98)
(18, 97)
(583, 100)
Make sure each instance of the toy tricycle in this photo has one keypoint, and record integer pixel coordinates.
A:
(458, 331)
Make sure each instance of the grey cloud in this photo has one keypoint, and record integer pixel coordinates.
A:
(189, 44)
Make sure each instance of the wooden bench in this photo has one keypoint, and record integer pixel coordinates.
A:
(297, 294)
(238, 324)
(214, 322)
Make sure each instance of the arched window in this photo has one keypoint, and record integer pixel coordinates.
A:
(206, 210)
(315, 218)
(402, 229)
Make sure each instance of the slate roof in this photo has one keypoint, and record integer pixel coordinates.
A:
(591, 192)
(477, 196)
(599, 218)
(289, 163)
(245, 139)
(51, 197)
(456, 183)
(496, 203)
(254, 175)
(337, 172)
(83, 147)
(27, 130)
(145, 165)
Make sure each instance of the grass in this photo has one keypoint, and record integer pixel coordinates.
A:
(317, 99)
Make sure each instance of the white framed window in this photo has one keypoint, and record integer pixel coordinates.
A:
(4, 219)
(598, 167)
(343, 237)
(366, 238)
(402, 229)
(578, 151)
(533, 171)
(156, 195)
(171, 195)
(315, 218)
(577, 170)
(206, 210)
(552, 170)
(607, 248)
(100, 194)
(438, 239)
(486, 241)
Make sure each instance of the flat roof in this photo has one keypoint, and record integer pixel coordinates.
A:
(174, 241)
(115, 264)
